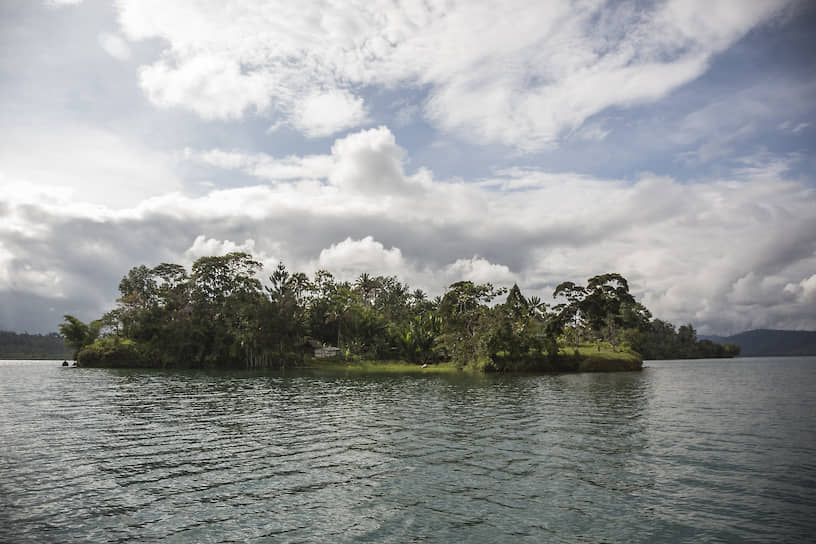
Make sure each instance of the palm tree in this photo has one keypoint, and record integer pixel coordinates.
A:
(537, 307)
(366, 285)
(419, 297)
(300, 285)
(77, 334)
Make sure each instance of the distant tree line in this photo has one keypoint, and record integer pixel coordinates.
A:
(660, 340)
(220, 315)
(32, 346)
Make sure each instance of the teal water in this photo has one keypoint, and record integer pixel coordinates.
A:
(691, 451)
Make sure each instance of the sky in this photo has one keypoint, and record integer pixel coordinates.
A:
(508, 142)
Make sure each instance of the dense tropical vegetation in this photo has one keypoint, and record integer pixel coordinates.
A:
(221, 315)
(660, 340)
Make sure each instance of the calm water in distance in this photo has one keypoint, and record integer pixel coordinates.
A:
(685, 451)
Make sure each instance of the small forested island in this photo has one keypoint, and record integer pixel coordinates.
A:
(221, 316)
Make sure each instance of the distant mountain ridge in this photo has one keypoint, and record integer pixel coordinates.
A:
(769, 342)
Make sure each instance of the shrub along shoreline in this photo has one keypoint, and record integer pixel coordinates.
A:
(125, 354)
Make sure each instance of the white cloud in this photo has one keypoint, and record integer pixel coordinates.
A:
(369, 161)
(804, 291)
(519, 73)
(349, 258)
(725, 255)
(92, 164)
(263, 166)
(114, 46)
(808, 286)
(323, 114)
(479, 270)
(211, 85)
(203, 246)
(755, 290)
(765, 165)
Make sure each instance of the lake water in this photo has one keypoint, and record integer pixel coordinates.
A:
(686, 451)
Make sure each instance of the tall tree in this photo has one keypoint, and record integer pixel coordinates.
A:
(215, 279)
(367, 286)
(77, 334)
(606, 295)
(571, 312)
(466, 323)
(285, 314)
(511, 326)
(138, 288)
(227, 298)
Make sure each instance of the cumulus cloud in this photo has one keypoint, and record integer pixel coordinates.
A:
(479, 270)
(203, 246)
(350, 258)
(212, 85)
(369, 161)
(726, 255)
(324, 113)
(518, 73)
(808, 286)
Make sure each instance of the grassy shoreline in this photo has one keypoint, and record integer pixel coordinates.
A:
(588, 359)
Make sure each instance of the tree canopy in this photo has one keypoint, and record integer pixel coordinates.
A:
(220, 314)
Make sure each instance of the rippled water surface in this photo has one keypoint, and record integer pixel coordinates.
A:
(695, 451)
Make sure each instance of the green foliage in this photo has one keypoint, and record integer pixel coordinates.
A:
(113, 353)
(519, 334)
(588, 358)
(216, 279)
(467, 324)
(600, 309)
(78, 334)
(221, 315)
(660, 340)
(731, 350)
(283, 315)
(632, 338)
(415, 340)
(139, 287)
